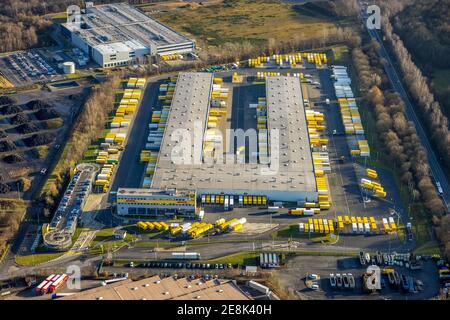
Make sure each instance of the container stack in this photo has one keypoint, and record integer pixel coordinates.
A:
(292, 60)
(318, 59)
(157, 127)
(234, 224)
(316, 123)
(321, 162)
(324, 226)
(219, 96)
(264, 75)
(304, 211)
(263, 143)
(350, 116)
(371, 173)
(171, 57)
(373, 186)
(119, 127)
(199, 228)
(364, 150)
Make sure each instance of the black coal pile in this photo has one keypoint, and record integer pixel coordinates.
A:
(6, 100)
(45, 114)
(7, 146)
(27, 128)
(19, 118)
(37, 104)
(39, 139)
(12, 109)
(12, 158)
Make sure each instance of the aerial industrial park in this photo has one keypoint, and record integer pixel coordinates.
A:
(147, 156)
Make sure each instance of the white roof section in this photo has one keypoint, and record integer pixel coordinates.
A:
(287, 114)
(121, 22)
(112, 48)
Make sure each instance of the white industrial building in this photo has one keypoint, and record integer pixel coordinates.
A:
(119, 34)
(156, 202)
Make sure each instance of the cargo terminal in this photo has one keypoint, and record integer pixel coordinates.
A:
(118, 34)
(155, 202)
(293, 178)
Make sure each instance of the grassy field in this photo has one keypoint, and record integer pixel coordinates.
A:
(252, 20)
(242, 258)
(292, 231)
(35, 259)
(104, 240)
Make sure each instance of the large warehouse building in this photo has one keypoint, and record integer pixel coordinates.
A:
(118, 34)
(156, 288)
(290, 175)
(293, 179)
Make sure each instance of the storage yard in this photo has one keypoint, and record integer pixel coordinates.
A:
(334, 274)
(32, 128)
(336, 188)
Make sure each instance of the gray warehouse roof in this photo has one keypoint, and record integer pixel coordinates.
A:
(121, 22)
(285, 112)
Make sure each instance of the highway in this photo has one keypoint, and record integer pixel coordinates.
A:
(435, 166)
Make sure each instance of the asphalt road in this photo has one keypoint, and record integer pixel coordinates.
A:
(130, 170)
(436, 169)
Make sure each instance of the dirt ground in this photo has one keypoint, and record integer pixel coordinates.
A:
(64, 102)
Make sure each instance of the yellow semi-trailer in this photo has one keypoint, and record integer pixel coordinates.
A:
(142, 225)
(164, 226)
(237, 227)
(297, 211)
(219, 222)
(150, 225)
(310, 204)
(157, 225)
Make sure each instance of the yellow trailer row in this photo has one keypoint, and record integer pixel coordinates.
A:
(389, 225)
(371, 173)
(376, 187)
(155, 225)
(234, 224)
(317, 58)
(214, 199)
(136, 83)
(348, 220)
(254, 200)
(315, 225)
(263, 75)
(171, 57)
(199, 229)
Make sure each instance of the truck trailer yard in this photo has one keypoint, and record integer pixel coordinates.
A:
(348, 200)
(235, 150)
(282, 227)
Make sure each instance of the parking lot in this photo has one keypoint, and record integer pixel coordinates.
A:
(74, 198)
(295, 273)
(25, 67)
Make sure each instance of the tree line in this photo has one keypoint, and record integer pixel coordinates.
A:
(435, 120)
(87, 128)
(23, 24)
(400, 140)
